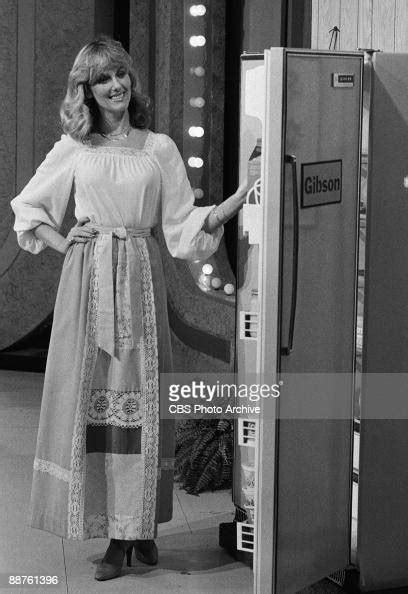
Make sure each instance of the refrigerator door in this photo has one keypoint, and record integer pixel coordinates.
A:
(311, 183)
(251, 115)
(383, 474)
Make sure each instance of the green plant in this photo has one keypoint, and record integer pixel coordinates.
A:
(204, 453)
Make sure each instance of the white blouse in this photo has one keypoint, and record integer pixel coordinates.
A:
(117, 187)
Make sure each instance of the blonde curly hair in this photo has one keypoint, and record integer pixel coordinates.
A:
(79, 111)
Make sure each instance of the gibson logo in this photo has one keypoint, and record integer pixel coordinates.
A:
(316, 185)
(321, 183)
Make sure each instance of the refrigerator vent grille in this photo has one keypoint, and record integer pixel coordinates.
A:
(248, 325)
(247, 430)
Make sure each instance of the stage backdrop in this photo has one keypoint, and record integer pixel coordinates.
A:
(39, 41)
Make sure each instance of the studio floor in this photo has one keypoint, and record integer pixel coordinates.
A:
(190, 559)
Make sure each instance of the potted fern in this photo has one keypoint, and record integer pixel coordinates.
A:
(204, 454)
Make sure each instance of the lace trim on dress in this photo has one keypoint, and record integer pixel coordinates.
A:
(124, 150)
(78, 526)
(78, 459)
(123, 318)
(111, 407)
(114, 150)
(57, 471)
(112, 526)
(150, 386)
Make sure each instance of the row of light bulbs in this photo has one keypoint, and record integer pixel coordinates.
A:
(197, 10)
(196, 162)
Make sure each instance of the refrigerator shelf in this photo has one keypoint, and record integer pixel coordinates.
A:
(245, 537)
(247, 430)
(248, 325)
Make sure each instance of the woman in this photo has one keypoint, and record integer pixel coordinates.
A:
(103, 463)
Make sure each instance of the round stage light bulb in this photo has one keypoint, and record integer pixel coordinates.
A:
(229, 289)
(207, 269)
(196, 131)
(197, 10)
(198, 193)
(216, 283)
(196, 162)
(197, 40)
(197, 102)
(199, 71)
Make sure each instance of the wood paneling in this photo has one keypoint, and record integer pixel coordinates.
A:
(368, 24)
(383, 25)
(365, 23)
(315, 24)
(329, 17)
(401, 26)
(349, 24)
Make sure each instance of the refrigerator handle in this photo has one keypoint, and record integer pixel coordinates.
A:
(291, 159)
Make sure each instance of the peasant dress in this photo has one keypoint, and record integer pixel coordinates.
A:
(104, 458)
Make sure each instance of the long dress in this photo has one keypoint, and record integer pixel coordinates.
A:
(104, 459)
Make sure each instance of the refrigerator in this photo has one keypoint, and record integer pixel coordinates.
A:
(382, 525)
(296, 310)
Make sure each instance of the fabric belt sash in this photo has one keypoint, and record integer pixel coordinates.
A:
(105, 324)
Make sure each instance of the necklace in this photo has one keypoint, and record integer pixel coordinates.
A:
(117, 136)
